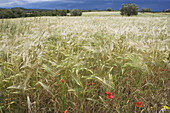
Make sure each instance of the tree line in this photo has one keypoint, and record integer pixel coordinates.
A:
(132, 9)
(21, 12)
(166, 10)
(128, 9)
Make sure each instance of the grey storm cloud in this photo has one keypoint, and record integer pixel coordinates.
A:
(155, 5)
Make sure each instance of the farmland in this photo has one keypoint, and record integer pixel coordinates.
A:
(93, 54)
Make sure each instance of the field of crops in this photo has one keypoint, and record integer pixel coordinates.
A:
(53, 64)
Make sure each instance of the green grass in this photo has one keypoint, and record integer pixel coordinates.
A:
(123, 55)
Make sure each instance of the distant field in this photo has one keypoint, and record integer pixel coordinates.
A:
(117, 13)
(96, 53)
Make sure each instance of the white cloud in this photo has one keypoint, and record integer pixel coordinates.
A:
(10, 3)
(59, 1)
(20, 3)
(34, 1)
(6, 4)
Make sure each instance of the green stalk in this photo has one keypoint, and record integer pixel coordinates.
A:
(62, 96)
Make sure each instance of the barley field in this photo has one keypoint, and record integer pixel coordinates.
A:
(89, 64)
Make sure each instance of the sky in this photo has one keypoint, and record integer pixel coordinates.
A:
(154, 5)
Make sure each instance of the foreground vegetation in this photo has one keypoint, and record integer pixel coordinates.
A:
(53, 64)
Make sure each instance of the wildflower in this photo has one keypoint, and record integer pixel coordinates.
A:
(162, 110)
(162, 70)
(166, 107)
(62, 80)
(139, 104)
(92, 83)
(65, 111)
(153, 106)
(109, 95)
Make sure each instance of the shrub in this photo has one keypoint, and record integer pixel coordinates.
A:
(76, 12)
(145, 10)
(61, 12)
(166, 10)
(109, 9)
(129, 9)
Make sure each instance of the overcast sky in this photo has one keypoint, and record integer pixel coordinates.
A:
(154, 5)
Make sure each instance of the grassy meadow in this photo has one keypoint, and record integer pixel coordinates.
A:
(53, 64)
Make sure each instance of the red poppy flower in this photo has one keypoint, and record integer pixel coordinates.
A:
(109, 96)
(139, 104)
(65, 111)
(92, 83)
(62, 80)
(108, 93)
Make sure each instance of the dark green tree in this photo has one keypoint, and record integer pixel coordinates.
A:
(76, 12)
(61, 12)
(6, 13)
(166, 10)
(68, 11)
(109, 9)
(9, 14)
(1, 14)
(129, 9)
(122, 9)
(21, 12)
(145, 10)
(18, 12)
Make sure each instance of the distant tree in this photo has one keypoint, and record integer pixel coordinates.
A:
(18, 12)
(34, 13)
(61, 12)
(145, 10)
(129, 9)
(68, 11)
(6, 13)
(21, 12)
(76, 12)
(166, 10)
(142, 10)
(89, 10)
(54, 13)
(1, 14)
(49, 13)
(9, 14)
(109, 9)
(122, 9)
